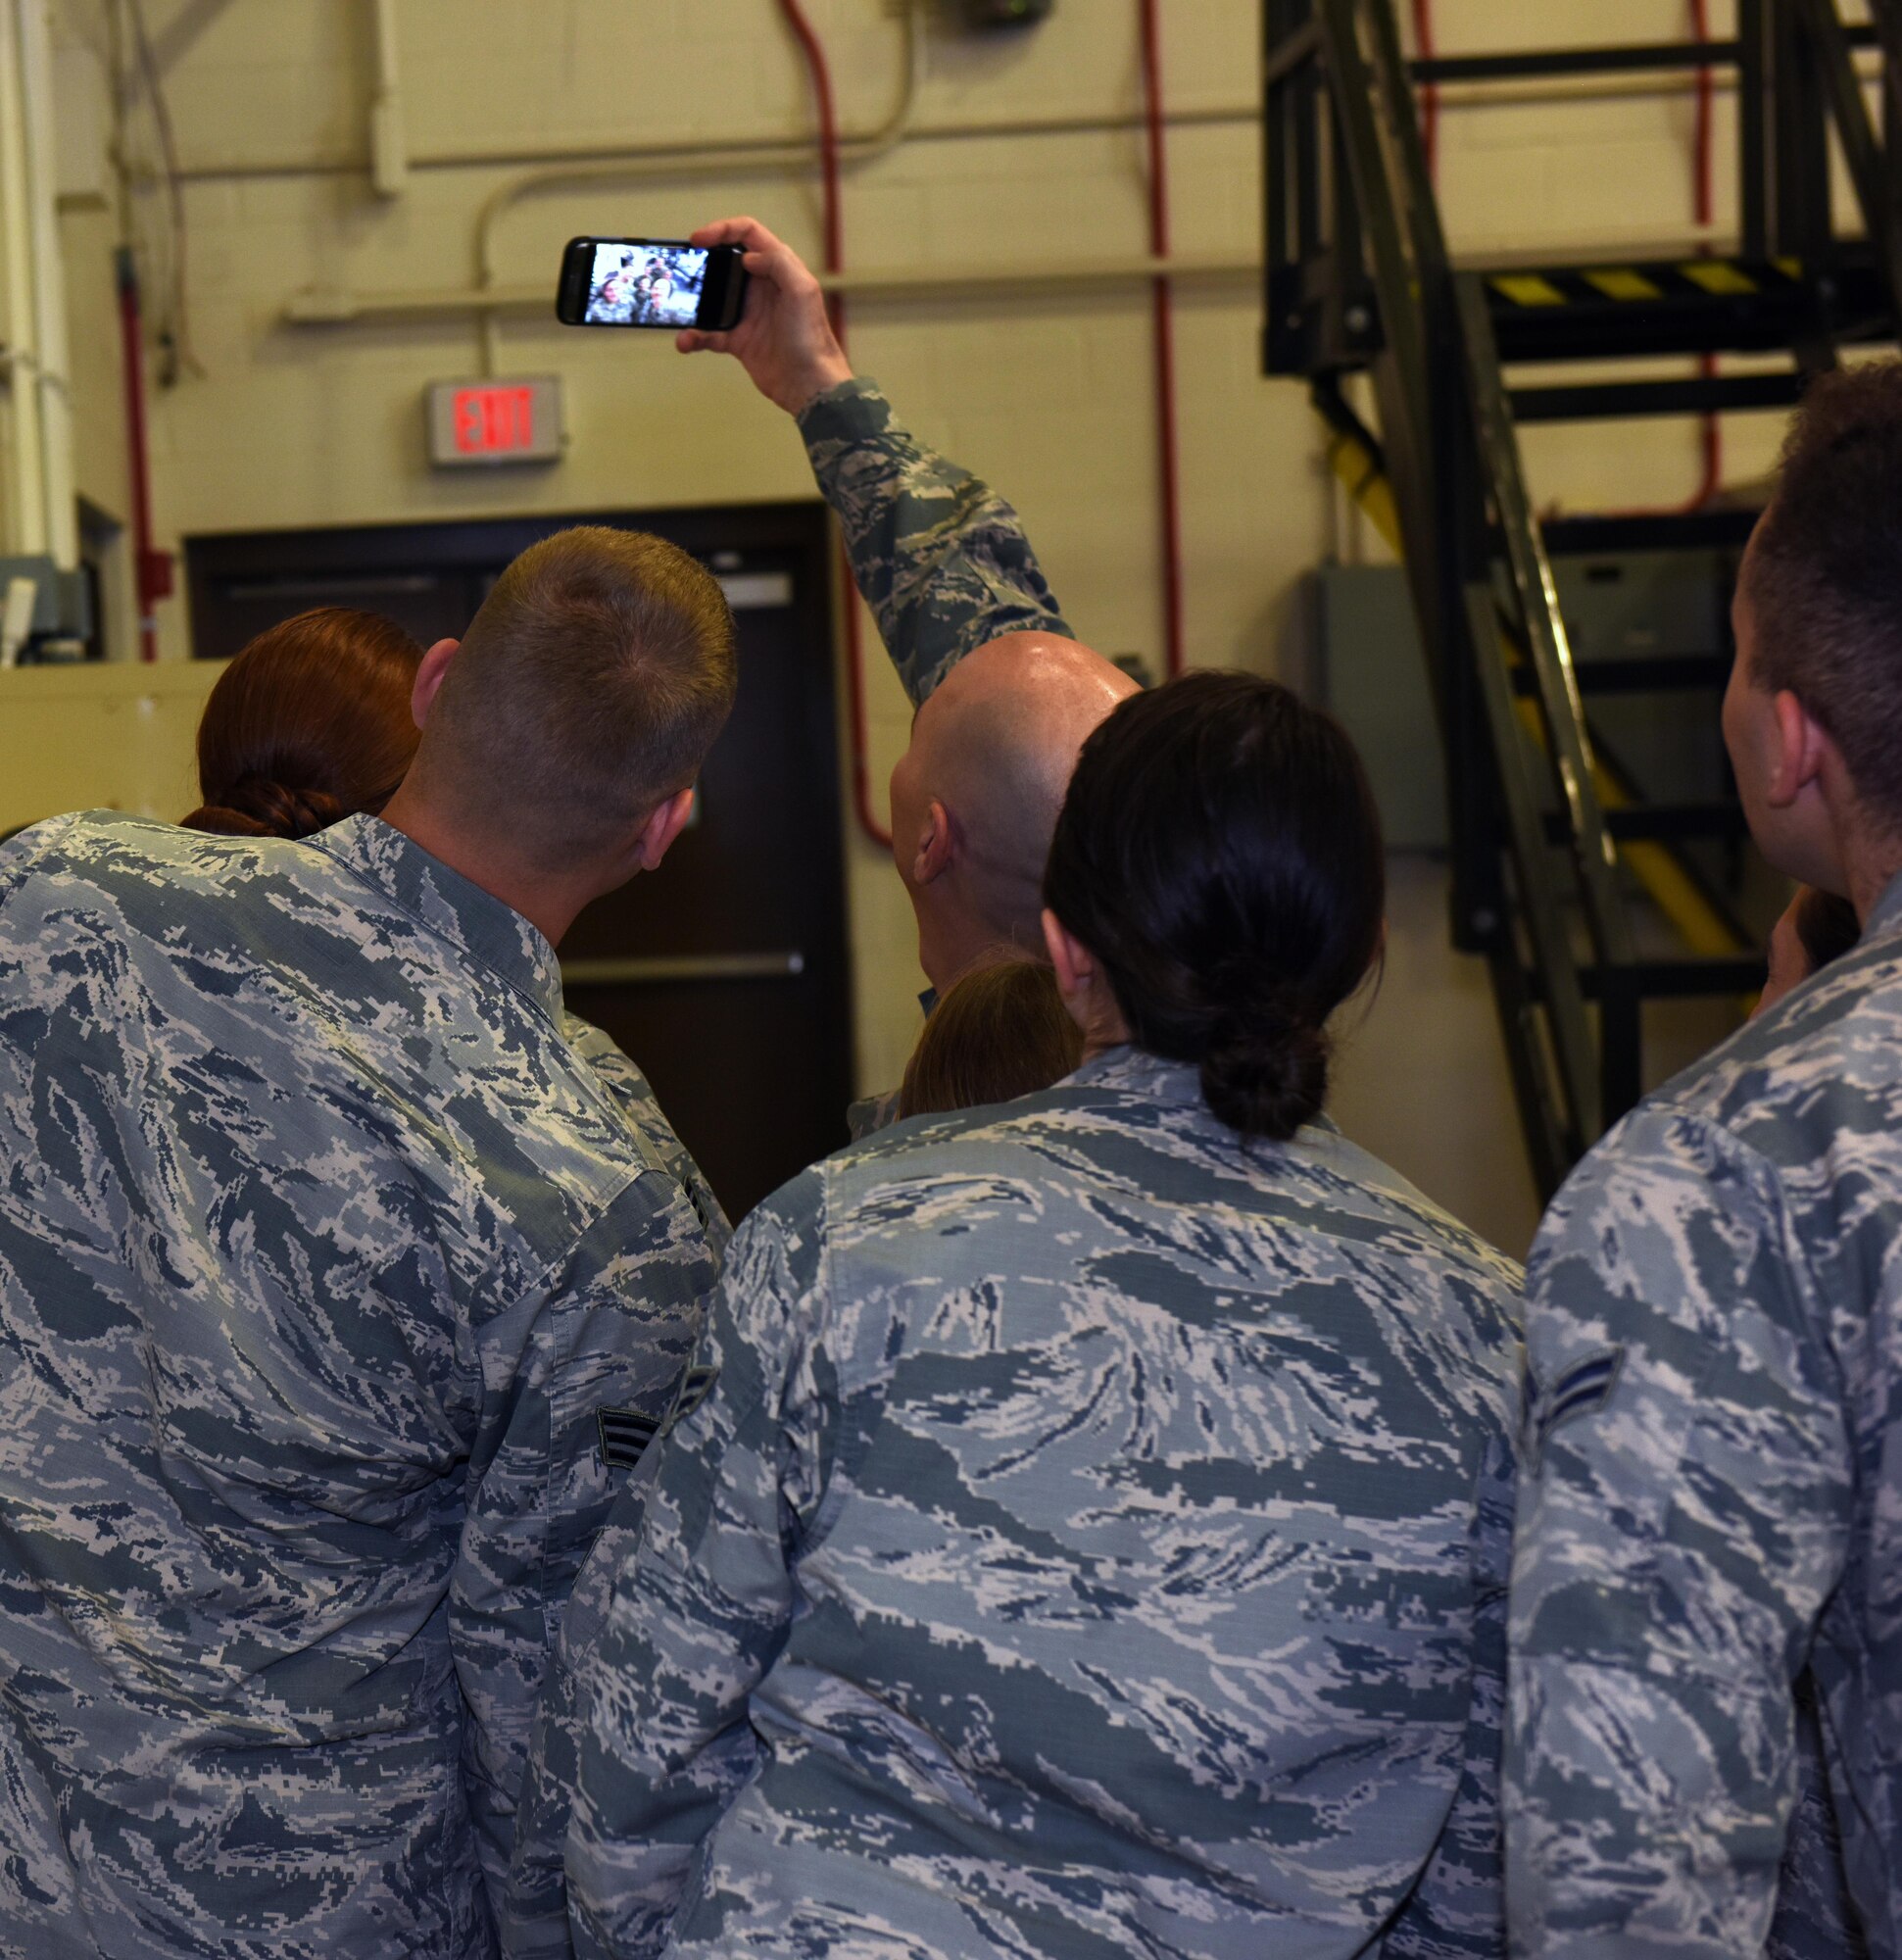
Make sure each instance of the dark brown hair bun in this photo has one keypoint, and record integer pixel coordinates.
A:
(255, 806)
(1265, 1073)
(1219, 854)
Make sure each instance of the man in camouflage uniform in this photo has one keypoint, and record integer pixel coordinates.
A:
(944, 563)
(1002, 1402)
(964, 611)
(1709, 1551)
(334, 1286)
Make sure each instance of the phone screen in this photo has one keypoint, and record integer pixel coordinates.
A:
(643, 285)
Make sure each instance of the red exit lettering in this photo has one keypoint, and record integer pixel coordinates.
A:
(491, 421)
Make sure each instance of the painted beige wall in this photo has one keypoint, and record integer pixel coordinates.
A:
(1044, 391)
(111, 736)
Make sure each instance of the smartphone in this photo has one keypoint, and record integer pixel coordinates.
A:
(650, 283)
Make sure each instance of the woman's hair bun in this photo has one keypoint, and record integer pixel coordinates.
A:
(1219, 854)
(1266, 1073)
(224, 821)
(255, 806)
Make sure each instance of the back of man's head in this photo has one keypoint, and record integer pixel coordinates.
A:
(587, 691)
(1002, 737)
(1824, 577)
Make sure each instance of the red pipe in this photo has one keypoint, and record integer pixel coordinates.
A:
(150, 569)
(1704, 204)
(873, 825)
(821, 72)
(1165, 344)
(1429, 91)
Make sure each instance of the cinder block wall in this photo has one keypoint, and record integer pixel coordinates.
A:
(1046, 391)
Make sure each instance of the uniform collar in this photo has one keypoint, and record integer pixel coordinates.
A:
(1140, 1073)
(485, 930)
(1177, 1085)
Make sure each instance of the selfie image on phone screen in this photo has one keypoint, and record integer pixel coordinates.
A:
(644, 285)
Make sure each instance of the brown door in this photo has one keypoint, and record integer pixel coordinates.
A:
(723, 975)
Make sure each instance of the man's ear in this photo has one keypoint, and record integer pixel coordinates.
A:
(1801, 746)
(1075, 964)
(429, 679)
(664, 825)
(933, 855)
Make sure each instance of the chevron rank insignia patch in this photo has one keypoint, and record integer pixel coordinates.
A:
(625, 1435)
(1585, 1387)
(695, 1386)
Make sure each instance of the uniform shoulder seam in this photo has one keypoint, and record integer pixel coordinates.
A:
(465, 955)
(597, 1209)
(1717, 1125)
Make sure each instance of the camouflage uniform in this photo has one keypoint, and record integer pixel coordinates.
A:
(624, 1082)
(940, 558)
(1093, 1542)
(1713, 1510)
(321, 1254)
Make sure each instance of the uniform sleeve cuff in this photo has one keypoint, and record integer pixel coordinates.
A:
(850, 412)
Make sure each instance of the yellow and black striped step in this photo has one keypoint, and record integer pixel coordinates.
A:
(1654, 281)
(1687, 304)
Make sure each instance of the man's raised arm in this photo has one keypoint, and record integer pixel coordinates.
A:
(940, 558)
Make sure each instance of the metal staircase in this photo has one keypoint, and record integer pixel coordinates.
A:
(1558, 857)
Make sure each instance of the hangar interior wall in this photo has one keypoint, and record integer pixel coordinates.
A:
(1043, 386)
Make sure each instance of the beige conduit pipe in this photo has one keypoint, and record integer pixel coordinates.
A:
(764, 150)
(389, 149)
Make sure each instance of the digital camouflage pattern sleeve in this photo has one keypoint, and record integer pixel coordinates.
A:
(631, 1091)
(1815, 1918)
(1457, 1908)
(543, 1476)
(940, 558)
(533, 1918)
(664, 1740)
(1682, 1519)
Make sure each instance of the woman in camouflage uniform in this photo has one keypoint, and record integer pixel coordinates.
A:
(1093, 1539)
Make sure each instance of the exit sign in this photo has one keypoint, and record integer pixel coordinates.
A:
(494, 421)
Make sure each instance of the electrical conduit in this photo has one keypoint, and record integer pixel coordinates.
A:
(869, 819)
(1429, 91)
(150, 569)
(1711, 433)
(1169, 479)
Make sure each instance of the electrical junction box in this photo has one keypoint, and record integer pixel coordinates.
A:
(985, 14)
(61, 601)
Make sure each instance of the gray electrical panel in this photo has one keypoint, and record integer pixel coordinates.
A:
(61, 623)
(1660, 611)
(1374, 679)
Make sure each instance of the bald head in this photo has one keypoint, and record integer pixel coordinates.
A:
(993, 751)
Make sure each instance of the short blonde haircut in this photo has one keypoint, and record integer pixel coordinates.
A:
(588, 689)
